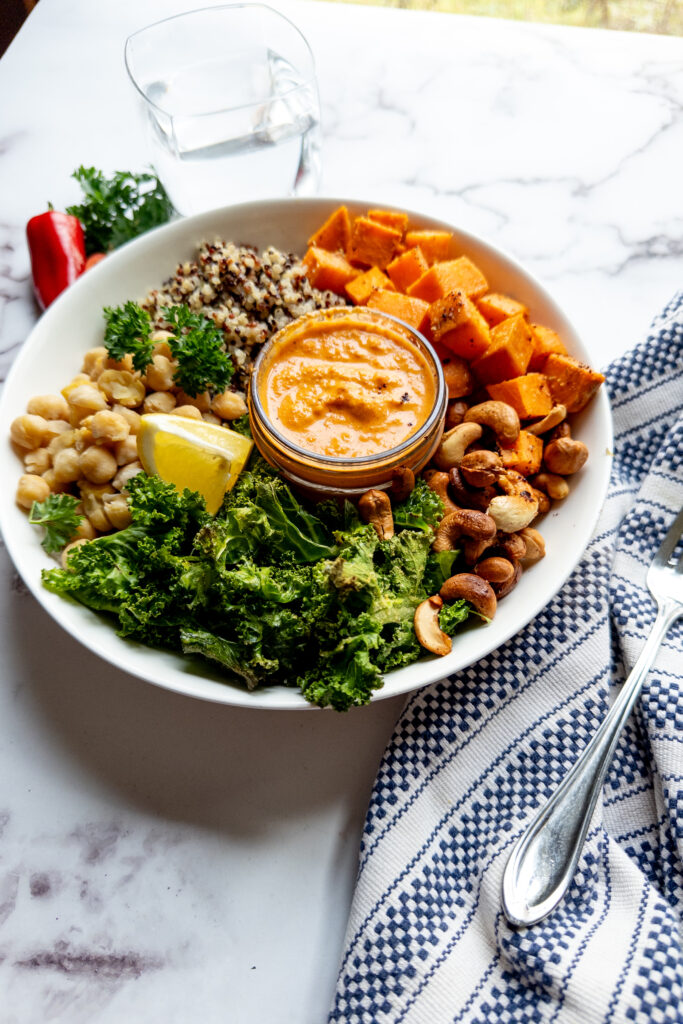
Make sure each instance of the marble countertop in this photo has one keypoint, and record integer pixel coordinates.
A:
(163, 859)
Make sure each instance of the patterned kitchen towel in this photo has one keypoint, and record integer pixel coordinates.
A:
(473, 756)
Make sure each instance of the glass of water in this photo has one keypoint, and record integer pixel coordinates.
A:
(231, 103)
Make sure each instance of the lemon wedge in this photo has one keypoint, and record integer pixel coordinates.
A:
(202, 456)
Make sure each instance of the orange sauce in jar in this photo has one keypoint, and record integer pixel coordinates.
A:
(346, 387)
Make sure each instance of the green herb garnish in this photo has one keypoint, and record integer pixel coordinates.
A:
(59, 517)
(197, 344)
(127, 332)
(118, 208)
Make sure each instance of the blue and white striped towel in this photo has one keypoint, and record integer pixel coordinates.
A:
(472, 757)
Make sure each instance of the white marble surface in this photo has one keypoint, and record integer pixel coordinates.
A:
(167, 860)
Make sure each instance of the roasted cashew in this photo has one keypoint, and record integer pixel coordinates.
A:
(402, 482)
(565, 456)
(427, 628)
(516, 508)
(375, 508)
(535, 545)
(543, 501)
(562, 430)
(469, 497)
(480, 469)
(474, 549)
(495, 569)
(513, 544)
(465, 522)
(556, 415)
(455, 443)
(503, 589)
(438, 482)
(455, 413)
(471, 588)
(499, 416)
(555, 486)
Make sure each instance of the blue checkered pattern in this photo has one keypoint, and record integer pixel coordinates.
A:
(473, 756)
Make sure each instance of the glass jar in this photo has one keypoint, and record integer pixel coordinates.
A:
(325, 476)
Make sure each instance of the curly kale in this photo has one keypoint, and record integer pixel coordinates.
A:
(269, 590)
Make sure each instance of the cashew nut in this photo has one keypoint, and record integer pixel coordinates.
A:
(556, 415)
(402, 482)
(438, 482)
(375, 508)
(495, 569)
(471, 588)
(562, 430)
(469, 497)
(512, 544)
(455, 412)
(455, 443)
(480, 468)
(474, 549)
(503, 589)
(465, 521)
(556, 487)
(499, 416)
(565, 456)
(427, 628)
(512, 512)
(535, 545)
(543, 501)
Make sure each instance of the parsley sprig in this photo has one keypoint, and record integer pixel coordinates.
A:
(59, 517)
(118, 208)
(196, 343)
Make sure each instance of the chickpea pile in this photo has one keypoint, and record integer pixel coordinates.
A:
(489, 508)
(84, 440)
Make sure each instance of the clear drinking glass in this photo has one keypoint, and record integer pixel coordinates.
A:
(231, 102)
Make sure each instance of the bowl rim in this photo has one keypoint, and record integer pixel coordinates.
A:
(146, 663)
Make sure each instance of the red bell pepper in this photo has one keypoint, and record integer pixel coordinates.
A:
(57, 247)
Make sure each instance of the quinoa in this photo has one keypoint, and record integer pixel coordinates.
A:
(250, 295)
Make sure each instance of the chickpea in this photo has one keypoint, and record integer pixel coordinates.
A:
(125, 474)
(28, 431)
(80, 378)
(92, 498)
(159, 401)
(55, 428)
(86, 397)
(31, 488)
(94, 361)
(124, 365)
(117, 511)
(126, 451)
(98, 465)
(201, 402)
(229, 405)
(132, 418)
(159, 375)
(83, 439)
(109, 427)
(64, 557)
(66, 466)
(86, 529)
(55, 485)
(190, 411)
(122, 387)
(37, 461)
(209, 417)
(62, 441)
(162, 347)
(50, 407)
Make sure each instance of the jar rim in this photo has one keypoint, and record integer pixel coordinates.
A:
(333, 462)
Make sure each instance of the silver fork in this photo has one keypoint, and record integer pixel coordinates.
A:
(544, 858)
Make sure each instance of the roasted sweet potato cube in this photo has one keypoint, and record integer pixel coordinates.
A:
(545, 341)
(361, 288)
(508, 354)
(413, 312)
(457, 323)
(496, 308)
(571, 382)
(372, 244)
(390, 218)
(458, 376)
(525, 455)
(442, 278)
(407, 267)
(335, 233)
(529, 395)
(435, 245)
(328, 271)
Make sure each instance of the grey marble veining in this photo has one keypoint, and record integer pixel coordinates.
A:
(167, 860)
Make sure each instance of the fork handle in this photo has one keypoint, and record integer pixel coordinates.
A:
(544, 858)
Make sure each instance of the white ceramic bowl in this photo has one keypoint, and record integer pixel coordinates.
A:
(52, 355)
